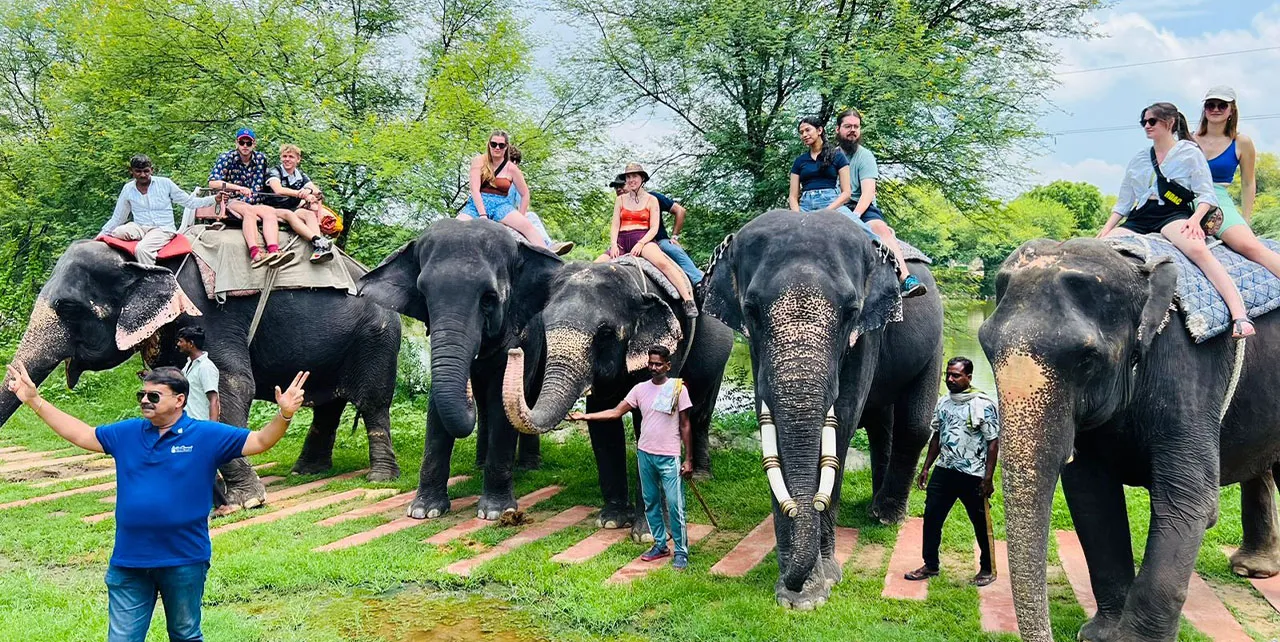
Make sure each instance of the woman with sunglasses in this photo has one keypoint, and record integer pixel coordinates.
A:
(1173, 201)
(492, 178)
(1228, 149)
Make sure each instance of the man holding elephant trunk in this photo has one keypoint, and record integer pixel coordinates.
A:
(165, 465)
(664, 425)
(965, 444)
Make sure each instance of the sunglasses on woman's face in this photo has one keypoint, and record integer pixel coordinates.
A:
(493, 144)
(150, 395)
(1215, 105)
(1148, 122)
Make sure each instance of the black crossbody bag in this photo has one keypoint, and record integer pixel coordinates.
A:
(1180, 196)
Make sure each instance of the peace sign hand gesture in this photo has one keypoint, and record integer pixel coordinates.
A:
(290, 400)
(20, 383)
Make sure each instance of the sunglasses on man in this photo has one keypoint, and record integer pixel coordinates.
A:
(497, 145)
(245, 142)
(1216, 105)
(150, 395)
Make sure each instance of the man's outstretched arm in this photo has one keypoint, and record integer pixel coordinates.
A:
(67, 427)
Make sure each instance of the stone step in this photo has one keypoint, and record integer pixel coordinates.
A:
(749, 552)
(1072, 557)
(475, 523)
(995, 600)
(394, 526)
(97, 474)
(302, 489)
(19, 466)
(28, 455)
(594, 544)
(1268, 587)
(846, 541)
(555, 524)
(12, 449)
(303, 507)
(638, 568)
(384, 505)
(907, 556)
(59, 495)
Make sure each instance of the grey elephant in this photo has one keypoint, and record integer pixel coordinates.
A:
(476, 288)
(97, 309)
(814, 296)
(595, 333)
(1100, 383)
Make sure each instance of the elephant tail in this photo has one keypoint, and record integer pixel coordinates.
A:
(355, 422)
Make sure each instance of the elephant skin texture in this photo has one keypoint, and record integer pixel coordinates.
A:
(1100, 384)
(476, 288)
(98, 308)
(595, 333)
(813, 294)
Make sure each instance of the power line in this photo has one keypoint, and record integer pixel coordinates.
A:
(1160, 62)
(1118, 128)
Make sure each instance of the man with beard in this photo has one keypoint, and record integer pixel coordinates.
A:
(965, 444)
(863, 173)
(165, 464)
(150, 200)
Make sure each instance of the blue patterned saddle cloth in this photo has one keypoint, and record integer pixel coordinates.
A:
(1202, 307)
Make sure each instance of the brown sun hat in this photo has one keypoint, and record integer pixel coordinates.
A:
(633, 168)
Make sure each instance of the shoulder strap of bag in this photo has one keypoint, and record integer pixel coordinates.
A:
(501, 166)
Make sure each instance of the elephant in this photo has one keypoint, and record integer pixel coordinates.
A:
(814, 296)
(97, 308)
(476, 288)
(1099, 383)
(595, 332)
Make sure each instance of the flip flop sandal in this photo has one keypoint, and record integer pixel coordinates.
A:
(1238, 326)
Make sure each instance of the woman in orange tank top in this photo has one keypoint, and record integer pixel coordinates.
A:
(634, 226)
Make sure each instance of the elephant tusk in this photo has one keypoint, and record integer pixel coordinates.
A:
(773, 464)
(828, 464)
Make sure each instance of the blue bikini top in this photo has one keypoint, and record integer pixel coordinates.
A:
(1223, 166)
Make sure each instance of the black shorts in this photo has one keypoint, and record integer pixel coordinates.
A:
(1153, 216)
(873, 213)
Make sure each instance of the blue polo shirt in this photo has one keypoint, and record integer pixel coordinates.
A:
(164, 488)
(814, 176)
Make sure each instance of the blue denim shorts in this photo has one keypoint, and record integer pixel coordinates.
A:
(818, 199)
(496, 207)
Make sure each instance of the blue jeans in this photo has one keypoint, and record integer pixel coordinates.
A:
(131, 599)
(818, 199)
(682, 259)
(660, 475)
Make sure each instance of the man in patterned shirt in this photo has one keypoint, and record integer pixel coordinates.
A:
(244, 170)
(965, 444)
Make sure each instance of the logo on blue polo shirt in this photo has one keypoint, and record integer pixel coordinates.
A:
(180, 449)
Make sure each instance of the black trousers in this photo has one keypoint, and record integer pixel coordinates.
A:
(945, 487)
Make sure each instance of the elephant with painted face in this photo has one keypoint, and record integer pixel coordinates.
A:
(97, 309)
(476, 288)
(595, 333)
(1100, 384)
(815, 296)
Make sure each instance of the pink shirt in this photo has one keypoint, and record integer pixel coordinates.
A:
(659, 431)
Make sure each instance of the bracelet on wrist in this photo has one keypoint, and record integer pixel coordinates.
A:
(288, 418)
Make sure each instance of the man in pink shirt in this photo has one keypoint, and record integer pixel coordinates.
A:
(664, 424)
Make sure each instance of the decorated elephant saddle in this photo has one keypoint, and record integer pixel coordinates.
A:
(1203, 309)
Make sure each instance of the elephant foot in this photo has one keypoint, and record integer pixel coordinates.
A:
(1258, 564)
(529, 463)
(383, 471)
(887, 512)
(830, 571)
(612, 516)
(640, 533)
(1101, 628)
(812, 595)
(491, 507)
(312, 466)
(426, 506)
(251, 494)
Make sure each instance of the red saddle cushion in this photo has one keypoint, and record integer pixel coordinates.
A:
(177, 246)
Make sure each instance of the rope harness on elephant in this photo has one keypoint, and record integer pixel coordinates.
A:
(272, 273)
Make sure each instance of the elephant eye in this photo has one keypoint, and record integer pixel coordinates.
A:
(489, 300)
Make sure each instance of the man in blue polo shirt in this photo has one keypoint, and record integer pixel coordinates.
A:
(165, 465)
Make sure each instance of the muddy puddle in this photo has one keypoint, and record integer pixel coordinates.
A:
(421, 618)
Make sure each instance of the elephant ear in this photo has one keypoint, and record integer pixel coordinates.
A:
(1162, 283)
(394, 284)
(152, 299)
(657, 325)
(883, 300)
(531, 283)
(719, 288)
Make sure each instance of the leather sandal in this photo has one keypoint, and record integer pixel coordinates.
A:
(922, 573)
(1242, 327)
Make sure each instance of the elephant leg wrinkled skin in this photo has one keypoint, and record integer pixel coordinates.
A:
(1259, 554)
(497, 497)
(432, 499)
(826, 573)
(317, 449)
(528, 452)
(1096, 500)
(878, 423)
(243, 488)
(910, 434)
(382, 455)
(608, 442)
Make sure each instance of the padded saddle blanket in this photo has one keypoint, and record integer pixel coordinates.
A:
(177, 246)
(225, 266)
(912, 253)
(649, 269)
(1202, 307)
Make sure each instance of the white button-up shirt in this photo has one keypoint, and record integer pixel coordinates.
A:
(1185, 165)
(155, 208)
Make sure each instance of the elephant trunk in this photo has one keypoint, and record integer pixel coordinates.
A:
(1036, 439)
(45, 343)
(451, 355)
(568, 373)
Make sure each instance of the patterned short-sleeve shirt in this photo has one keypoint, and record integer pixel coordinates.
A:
(229, 168)
(964, 428)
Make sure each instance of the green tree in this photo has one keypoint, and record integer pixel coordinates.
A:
(1084, 200)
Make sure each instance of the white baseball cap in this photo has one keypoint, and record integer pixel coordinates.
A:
(1221, 92)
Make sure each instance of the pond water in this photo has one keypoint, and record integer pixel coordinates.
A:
(960, 338)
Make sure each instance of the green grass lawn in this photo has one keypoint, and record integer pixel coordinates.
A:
(266, 584)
